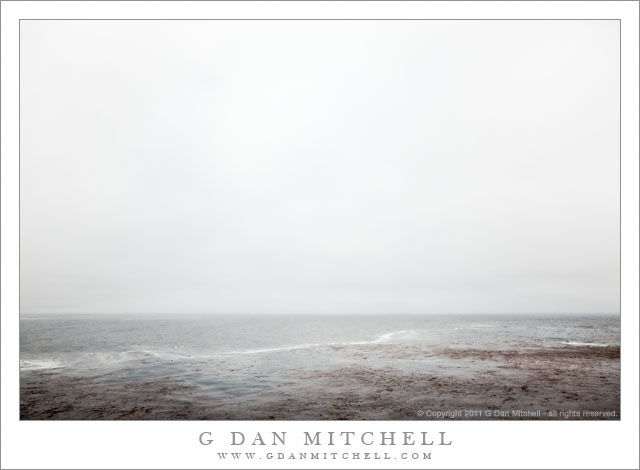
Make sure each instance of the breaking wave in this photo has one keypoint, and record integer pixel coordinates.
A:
(380, 339)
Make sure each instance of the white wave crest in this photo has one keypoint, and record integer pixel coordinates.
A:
(40, 364)
(283, 348)
(381, 338)
(578, 343)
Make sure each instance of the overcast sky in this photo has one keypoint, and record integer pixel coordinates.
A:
(320, 166)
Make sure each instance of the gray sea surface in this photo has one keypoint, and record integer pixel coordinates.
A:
(236, 355)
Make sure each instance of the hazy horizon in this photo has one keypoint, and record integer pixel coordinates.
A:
(319, 167)
(433, 314)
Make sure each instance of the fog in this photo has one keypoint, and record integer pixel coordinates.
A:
(319, 167)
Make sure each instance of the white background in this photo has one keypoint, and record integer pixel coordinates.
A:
(174, 444)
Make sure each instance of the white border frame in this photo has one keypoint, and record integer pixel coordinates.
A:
(155, 444)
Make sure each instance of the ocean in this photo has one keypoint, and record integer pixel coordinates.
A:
(230, 356)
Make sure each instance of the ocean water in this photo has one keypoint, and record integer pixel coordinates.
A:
(236, 355)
